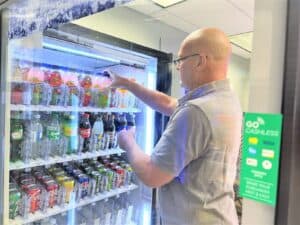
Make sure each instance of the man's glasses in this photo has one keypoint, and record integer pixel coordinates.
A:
(178, 61)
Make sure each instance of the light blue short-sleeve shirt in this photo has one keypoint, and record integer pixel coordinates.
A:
(200, 147)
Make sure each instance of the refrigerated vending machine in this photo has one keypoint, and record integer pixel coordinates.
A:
(60, 161)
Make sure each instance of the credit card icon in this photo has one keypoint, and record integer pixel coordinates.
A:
(268, 153)
(253, 140)
(251, 162)
(252, 151)
(267, 142)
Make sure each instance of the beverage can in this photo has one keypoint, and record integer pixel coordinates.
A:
(14, 201)
(68, 184)
(52, 189)
(34, 192)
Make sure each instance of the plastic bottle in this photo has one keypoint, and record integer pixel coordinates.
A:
(16, 137)
(84, 133)
(130, 121)
(110, 131)
(52, 136)
(97, 134)
(70, 131)
(36, 135)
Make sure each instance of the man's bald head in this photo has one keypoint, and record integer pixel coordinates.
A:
(210, 41)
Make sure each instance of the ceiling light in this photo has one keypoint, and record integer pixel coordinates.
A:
(167, 3)
(243, 41)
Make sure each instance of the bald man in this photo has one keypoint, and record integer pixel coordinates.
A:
(194, 162)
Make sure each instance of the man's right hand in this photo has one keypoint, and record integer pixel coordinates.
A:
(118, 81)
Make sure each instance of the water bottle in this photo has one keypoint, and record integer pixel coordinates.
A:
(97, 134)
(16, 137)
(35, 130)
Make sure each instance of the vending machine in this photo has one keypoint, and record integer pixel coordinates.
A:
(60, 159)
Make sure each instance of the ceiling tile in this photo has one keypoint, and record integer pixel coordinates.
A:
(146, 7)
(212, 13)
(246, 6)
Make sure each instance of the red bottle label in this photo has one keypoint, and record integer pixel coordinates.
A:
(85, 133)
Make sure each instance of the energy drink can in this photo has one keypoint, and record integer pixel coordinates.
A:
(14, 200)
(83, 180)
(68, 184)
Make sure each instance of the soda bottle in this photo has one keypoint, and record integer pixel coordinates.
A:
(130, 121)
(110, 131)
(97, 134)
(52, 136)
(84, 132)
(16, 136)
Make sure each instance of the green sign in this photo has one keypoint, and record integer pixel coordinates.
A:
(260, 156)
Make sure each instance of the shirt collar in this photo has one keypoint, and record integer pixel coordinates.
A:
(204, 90)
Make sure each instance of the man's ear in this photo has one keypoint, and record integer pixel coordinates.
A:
(202, 60)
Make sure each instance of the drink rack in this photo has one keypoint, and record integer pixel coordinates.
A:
(68, 158)
(58, 209)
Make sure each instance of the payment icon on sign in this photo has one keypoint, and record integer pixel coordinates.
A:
(267, 153)
(253, 140)
(251, 162)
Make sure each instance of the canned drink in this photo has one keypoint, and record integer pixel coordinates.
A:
(97, 177)
(46, 178)
(83, 180)
(111, 176)
(34, 192)
(121, 176)
(128, 174)
(52, 189)
(76, 172)
(68, 184)
(14, 200)
(38, 175)
(25, 183)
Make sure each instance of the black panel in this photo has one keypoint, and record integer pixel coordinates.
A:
(288, 202)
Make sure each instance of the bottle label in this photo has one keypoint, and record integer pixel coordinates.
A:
(36, 136)
(17, 134)
(69, 130)
(85, 133)
(52, 133)
(107, 218)
(97, 221)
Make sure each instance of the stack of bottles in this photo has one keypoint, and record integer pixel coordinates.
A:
(48, 86)
(43, 135)
(114, 211)
(62, 184)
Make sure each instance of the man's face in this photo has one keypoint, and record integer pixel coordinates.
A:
(186, 65)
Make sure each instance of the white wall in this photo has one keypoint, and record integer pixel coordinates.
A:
(130, 25)
(238, 74)
(266, 81)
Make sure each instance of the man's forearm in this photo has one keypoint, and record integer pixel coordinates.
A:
(140, 162)
(155, 99)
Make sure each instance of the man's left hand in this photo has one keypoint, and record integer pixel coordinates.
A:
(126, 139)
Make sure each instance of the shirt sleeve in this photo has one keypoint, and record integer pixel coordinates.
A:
(185, 139)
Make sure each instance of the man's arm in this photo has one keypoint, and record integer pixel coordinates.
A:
(148, 173)
(157, 100)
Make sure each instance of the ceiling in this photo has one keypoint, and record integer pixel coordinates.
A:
(234, 17)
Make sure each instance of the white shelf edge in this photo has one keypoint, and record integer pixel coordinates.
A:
(14, 107)
(56, 210)
(53, 160)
